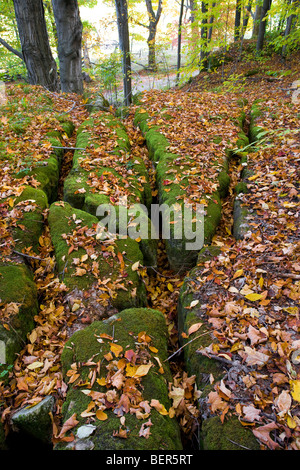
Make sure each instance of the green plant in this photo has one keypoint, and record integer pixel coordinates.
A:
(108, 71)
(5, 369)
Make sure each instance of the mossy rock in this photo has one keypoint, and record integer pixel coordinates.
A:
(130, 176)
(47, 172)
(170, 193)
(35, 421)
(30, 227)
(74, 234)
(83, 345)
(196, 363)
(241, 218)
(213, 434)
(230, 435)
(18, 294)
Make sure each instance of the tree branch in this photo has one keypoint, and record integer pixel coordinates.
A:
(11, 49)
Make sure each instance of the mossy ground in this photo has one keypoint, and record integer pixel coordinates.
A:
(18, 297)
(30, 226)
(125, 327)
(230, 435)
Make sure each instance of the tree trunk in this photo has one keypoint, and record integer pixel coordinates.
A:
(179, 40)
(289, 22)
(122, 19)
(153, 22)
(69, 34)
(247, 15)
(49, 9)
(203, 53)
(256, 21)
(36, 52)
(151, 48)
(262, 25)
(237, 22)
(211, 21)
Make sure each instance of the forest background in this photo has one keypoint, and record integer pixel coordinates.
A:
(151, 38)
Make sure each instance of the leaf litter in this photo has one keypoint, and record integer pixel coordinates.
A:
(253, 313)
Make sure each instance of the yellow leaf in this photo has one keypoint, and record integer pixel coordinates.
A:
(130, 370)
(101, 415)
(292, 310)
(35, 365)
(33, 336)
(116, 349)
(295, 392)
(291, 422)
(101, 381)
(253, 297)
(159, 407)
(142, 370)
(135, 266)
(170, 287)
(238, 273)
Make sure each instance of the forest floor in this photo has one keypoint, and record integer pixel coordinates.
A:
(254, 309)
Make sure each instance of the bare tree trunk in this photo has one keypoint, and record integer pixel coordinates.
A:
(179, 41)
(203, 53)
(36, 52)
(49, 9)
(289, 23)
(69, 34)
(153, 22)
(256, 20)
(237, 22)
(211, 21)
(262, 25)
(247, 15)
(122, 19)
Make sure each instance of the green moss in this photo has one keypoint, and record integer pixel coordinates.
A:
(230, 435)
(196, 363)
(30, 227)
(125, 327)
(171, 193)
(17, 287)
(46, 172)
(132, 176)
(62, 223)
(241, 187)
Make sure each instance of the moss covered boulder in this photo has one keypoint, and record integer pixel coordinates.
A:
(34, 422)
(84, 259)
(118, 395)
(28, 209)
(105, 173)
(46, 172)
(176, 174)
(198, 335)
(18, 306)
(230, 435)
(190, 313)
